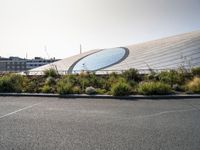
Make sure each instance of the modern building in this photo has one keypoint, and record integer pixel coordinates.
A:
(167, 53)
(16, 64)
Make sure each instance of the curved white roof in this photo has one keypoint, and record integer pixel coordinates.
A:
(167, 53)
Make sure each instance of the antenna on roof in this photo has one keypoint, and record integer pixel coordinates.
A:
(45, 49)
(53, 66)
(80, 49)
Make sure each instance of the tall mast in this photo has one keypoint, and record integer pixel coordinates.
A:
(80, 49)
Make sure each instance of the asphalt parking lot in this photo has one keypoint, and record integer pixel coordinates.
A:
(88, 124)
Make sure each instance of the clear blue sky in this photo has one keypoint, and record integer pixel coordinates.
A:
(26, 26)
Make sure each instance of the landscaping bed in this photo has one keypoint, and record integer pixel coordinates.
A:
(130, 82)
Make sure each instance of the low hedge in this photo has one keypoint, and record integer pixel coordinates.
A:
(11, 83)
(64, 88)
(154, 88)
(121, 89)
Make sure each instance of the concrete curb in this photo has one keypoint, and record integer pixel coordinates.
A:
(131, 97)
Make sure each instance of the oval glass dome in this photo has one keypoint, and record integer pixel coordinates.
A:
(100, 60)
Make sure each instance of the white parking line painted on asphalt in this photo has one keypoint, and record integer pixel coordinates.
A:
(14, 112)
(167, 112)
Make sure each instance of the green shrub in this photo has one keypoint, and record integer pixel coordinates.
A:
(154, 88)
(115, 79)
(121, 89)
(132, 83)
(194, 85)
(180, 88)
(196, 71)
(114, 74)
(50, 81)
(46, 89)
(152, 76)
(28, 86)
(33, 84)
(170, 77)
(174, 77)
(33, 87)
(131, 74)
(95, 81)
(50, 73)
(184, 75)
(101, 91)
(84, 82)
(64, 88)
(77, 90)
(71, 79)
(90, 90)
(11, 83)
(102, 83)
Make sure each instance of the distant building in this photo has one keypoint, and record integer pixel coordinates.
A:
(37, 62)
(12, 64)
(16, 64)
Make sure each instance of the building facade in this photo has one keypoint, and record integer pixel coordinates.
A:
(16, 64)
(12, 64)
(37, 62)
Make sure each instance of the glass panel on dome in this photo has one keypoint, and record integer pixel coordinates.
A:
(100, 60)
